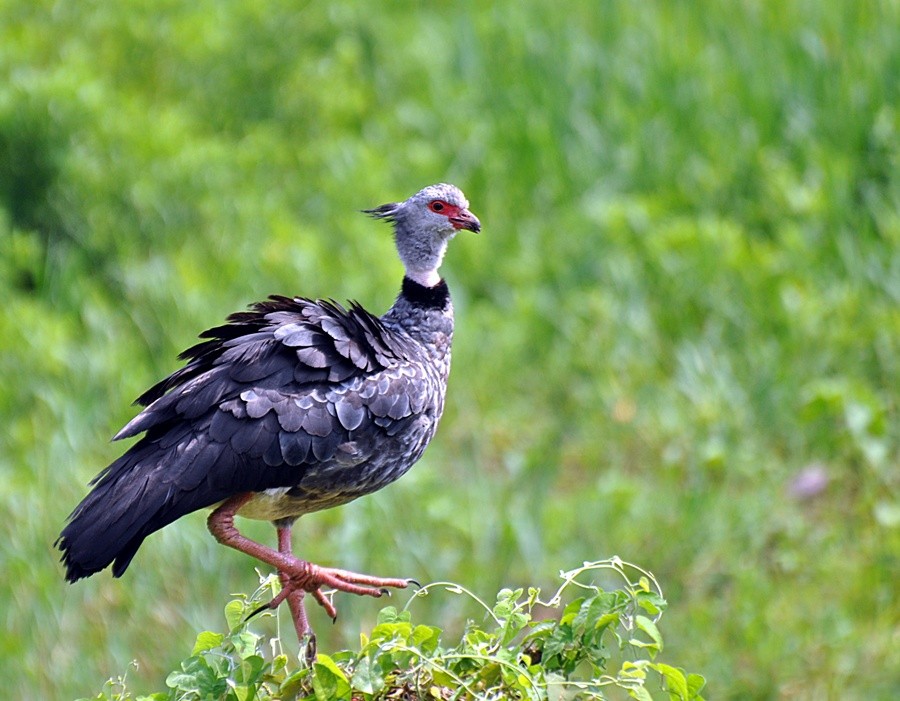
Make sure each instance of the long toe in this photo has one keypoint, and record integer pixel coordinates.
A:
(365, 580)
(325, 603)
(330, 580)
(310, 577)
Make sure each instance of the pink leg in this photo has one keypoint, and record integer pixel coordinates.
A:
(297, 576)
(295, 594)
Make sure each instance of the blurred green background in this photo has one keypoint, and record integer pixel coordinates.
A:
(678, 336)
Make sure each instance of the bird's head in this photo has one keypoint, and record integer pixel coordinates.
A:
(424, 224)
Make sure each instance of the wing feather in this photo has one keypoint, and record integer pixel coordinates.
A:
(262, 401)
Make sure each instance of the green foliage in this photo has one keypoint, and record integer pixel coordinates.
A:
(683, 305)
(511, 655)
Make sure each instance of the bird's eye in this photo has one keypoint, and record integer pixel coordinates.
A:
(437, 206)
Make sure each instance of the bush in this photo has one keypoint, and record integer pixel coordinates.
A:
(599, 641)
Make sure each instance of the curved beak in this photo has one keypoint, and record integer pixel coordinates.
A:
(464, 219)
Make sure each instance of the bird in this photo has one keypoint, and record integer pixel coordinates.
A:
(291, 407)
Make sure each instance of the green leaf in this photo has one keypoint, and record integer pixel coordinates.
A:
(292, 686)
(197, 676)
(329, 681)
(182, 682)
(633, 670)
(475, 638)
(243, 692)
(606, 620)
(640, 693)
(245, 643)
(443, 678)
(207, 640)
(571, 611)
(507, 602)
(649, 627)
(188, 679)
(426, 638)
(695, 684)
(279, 663)
(234, 613)
(676, 684)
(651, 602)
(387, 615)
(250, 669)
(367, 676)
(390, 631)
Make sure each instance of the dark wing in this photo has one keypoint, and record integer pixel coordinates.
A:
(277, 389)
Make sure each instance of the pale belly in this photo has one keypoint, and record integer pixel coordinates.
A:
(272, 505)
(275, 504)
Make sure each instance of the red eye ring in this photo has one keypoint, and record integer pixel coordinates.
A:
(437, 206)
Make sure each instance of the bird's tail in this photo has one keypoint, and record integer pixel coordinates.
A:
(145, 489)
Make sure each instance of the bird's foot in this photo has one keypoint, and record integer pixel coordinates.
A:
(306, 577)
(311, 578)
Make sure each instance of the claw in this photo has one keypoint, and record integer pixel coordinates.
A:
(256, 611)
(310, 651)
(415, 582)
(273, 604)
(325, 604)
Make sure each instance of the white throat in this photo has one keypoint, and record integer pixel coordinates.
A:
(426, 278)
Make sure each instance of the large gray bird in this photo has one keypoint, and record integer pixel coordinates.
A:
(289, 408)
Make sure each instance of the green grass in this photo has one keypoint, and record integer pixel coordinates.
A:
(686, 295)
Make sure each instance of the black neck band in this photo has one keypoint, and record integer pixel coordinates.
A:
(437, 297)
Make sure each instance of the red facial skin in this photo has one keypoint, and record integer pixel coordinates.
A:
(459, 218)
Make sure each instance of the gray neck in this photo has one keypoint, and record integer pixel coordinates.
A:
(421, 252)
